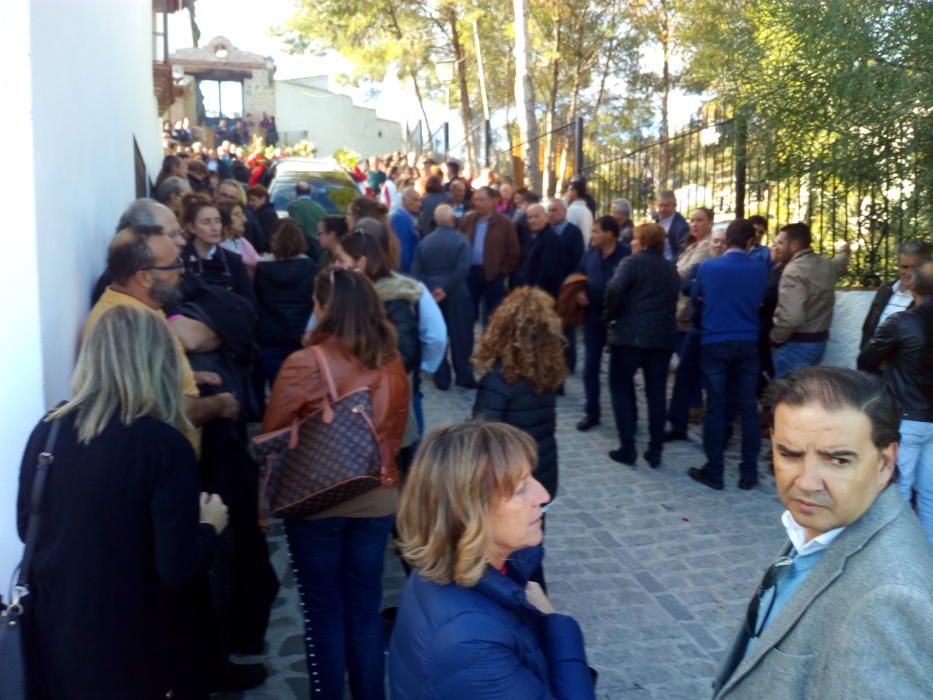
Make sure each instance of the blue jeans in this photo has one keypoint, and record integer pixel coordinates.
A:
(486, 296)
(730, 369)
(594, 341)
(624, 361)
(688, 383)
(915, 464)
(338, 567)
(795, 355)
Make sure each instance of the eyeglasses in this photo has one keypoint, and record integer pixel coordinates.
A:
(177, 265)
(768, 581)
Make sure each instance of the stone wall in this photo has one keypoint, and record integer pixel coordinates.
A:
(259, 95)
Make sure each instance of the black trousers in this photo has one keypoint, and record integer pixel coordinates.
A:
(624, 361)
(457, 309)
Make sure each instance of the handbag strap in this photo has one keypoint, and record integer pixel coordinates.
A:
(325, 370)
(46, 457)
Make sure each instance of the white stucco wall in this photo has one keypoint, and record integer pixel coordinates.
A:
(845, 334)
(332, 121)
(77, 87)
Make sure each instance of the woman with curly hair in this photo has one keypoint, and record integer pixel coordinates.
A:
(521, 356)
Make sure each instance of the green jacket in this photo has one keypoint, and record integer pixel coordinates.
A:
(308, 214)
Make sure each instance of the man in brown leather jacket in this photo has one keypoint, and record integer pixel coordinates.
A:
(495, 252)
(806, 297)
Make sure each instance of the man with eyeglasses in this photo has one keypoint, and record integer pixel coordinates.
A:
(847, 610)
(146, 271)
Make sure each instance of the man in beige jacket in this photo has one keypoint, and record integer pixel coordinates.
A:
(805, 300)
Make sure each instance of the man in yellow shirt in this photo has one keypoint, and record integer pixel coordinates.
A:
(146, 271)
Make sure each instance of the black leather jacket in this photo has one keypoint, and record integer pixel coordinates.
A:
(902, 348)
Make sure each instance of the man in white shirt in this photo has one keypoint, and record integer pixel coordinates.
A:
(847, 610)
(578, 213)
(895, 297)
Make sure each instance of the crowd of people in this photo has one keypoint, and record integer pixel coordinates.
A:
(214, 314)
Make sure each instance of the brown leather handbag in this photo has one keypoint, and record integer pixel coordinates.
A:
(325, 459)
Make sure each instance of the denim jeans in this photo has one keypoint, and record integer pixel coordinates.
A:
(915, 464)
(796, 355)
(624, 361)
(688, 383)
(486, 296)
(730, 369)
(594, 341)
(338, 567)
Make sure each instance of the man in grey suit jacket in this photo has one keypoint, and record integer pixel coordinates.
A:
(847, 610)
(442, 263)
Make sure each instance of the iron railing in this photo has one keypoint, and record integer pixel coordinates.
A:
(873, 195)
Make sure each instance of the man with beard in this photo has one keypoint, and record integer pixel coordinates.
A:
(145, 268)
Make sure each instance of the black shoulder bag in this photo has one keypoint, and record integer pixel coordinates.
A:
(12, 661)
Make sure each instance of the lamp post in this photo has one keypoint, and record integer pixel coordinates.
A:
(445, 73)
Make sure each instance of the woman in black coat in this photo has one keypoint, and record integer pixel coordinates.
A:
(204, 256)
(122, 537)
(284, 289)
(641, 318)
(521, 357)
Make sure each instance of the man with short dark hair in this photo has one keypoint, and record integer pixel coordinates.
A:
(847, 610)
(673, 223)
(257, 198)
(495, 252)
(806, 297)
(758, 251)
(894, 297)
(728, 291)
(902, 349)
(599, 264)
(305, 210)
(578, 211)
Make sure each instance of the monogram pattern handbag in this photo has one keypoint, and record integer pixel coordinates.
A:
(12, 660)
(325, 459)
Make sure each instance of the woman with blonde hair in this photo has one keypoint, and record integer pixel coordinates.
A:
(120, 534)
(470, 624)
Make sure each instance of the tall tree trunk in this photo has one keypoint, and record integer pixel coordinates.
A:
(665, 90)
(466, 112)
(602, 81)
(547, 186)
(525, 97)
(565, 141)
(411, 71)
(424, 113)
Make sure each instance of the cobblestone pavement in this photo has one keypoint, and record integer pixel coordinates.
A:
(656, 568)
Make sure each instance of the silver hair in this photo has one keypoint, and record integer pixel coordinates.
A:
(444, 215)
(915, 247)
(622, 205)
(171, 186)
(141, 212)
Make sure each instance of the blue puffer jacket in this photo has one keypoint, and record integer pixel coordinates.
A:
(485, 642)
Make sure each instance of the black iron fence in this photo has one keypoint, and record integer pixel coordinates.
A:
(870, 193)
(560, 156)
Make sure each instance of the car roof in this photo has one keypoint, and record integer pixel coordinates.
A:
(306, 165)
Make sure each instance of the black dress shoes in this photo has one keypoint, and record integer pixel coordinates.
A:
(622, 457)
(674, 435)
(653, 459)
(748, 484)
(587, 423)
(701, 476)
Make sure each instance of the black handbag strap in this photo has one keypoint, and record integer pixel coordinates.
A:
(46, 457)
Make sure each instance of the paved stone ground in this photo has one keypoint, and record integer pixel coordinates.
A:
(656, 568)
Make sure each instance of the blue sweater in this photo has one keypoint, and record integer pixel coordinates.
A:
(403, 224)
(729, 290)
